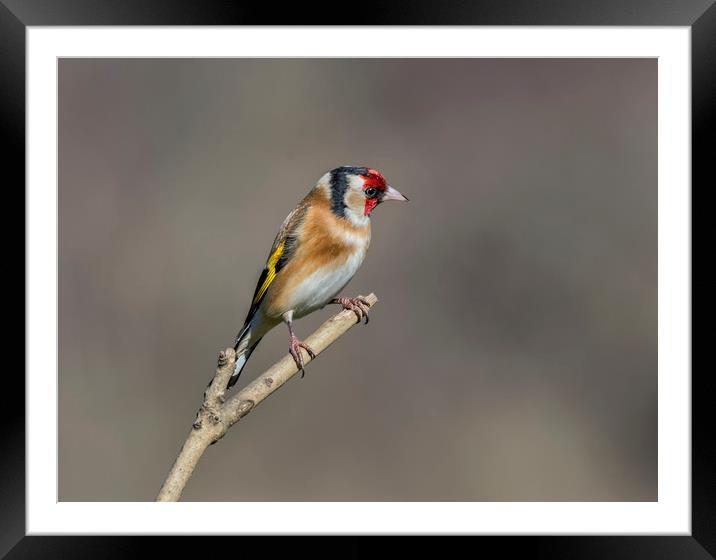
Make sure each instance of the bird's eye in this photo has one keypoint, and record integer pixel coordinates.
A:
(370, 192)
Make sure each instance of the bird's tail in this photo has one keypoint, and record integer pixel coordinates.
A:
(244, 347)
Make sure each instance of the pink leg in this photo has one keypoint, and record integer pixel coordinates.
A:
(294, 348)
(358, 305)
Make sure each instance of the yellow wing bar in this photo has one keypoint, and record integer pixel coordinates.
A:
(271, 272)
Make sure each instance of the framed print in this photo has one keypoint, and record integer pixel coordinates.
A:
(523, 178)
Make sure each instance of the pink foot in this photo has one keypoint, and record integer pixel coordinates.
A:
(294, 348)
(358, 305)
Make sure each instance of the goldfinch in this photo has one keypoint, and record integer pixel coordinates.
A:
(319, 247)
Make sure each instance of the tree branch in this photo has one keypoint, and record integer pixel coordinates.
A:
(216, 414)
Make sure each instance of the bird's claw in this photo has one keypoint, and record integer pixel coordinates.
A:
(294, 348)
(358, 305)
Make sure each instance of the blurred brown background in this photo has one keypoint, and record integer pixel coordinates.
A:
(513, 354)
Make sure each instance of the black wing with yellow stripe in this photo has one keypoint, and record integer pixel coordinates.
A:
(282, 250)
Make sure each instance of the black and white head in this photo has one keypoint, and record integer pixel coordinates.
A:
(354, 192)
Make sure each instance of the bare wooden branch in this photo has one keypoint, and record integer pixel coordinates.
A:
(216, 414)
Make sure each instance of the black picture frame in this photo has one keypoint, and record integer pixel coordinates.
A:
(16, 15)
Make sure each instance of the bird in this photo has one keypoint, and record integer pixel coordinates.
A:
(317, 250)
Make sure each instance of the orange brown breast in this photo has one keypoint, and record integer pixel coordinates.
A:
(328, 253)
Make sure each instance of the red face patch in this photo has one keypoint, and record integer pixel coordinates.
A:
(374, 179)
(370, 203)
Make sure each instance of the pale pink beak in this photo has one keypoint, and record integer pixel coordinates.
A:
(393, 194)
